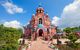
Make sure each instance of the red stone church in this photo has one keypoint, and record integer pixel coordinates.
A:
(39, 25)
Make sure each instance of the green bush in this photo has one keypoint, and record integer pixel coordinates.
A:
(9, 38)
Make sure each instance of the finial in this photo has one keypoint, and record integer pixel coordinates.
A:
(40, 5)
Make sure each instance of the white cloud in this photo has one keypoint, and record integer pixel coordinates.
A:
(70, 16)
(55, 20)
(11, 8)
(13, 24)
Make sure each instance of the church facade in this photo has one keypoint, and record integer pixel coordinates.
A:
(39, 25)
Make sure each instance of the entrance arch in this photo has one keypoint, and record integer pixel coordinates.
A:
(40, 32)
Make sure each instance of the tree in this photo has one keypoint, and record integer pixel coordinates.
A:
(73, 38)
(73, 29)
(67, 30)
(9, 38)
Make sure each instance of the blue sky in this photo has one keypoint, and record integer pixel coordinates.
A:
(52, 7)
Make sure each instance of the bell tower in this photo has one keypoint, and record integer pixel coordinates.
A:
(40, 10)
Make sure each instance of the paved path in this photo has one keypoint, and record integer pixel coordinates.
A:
(39, 45)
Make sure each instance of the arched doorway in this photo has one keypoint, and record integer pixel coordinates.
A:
(40, 32)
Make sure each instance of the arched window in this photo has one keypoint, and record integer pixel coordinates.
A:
(47, 30)
(39, 11)
(40, 20)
